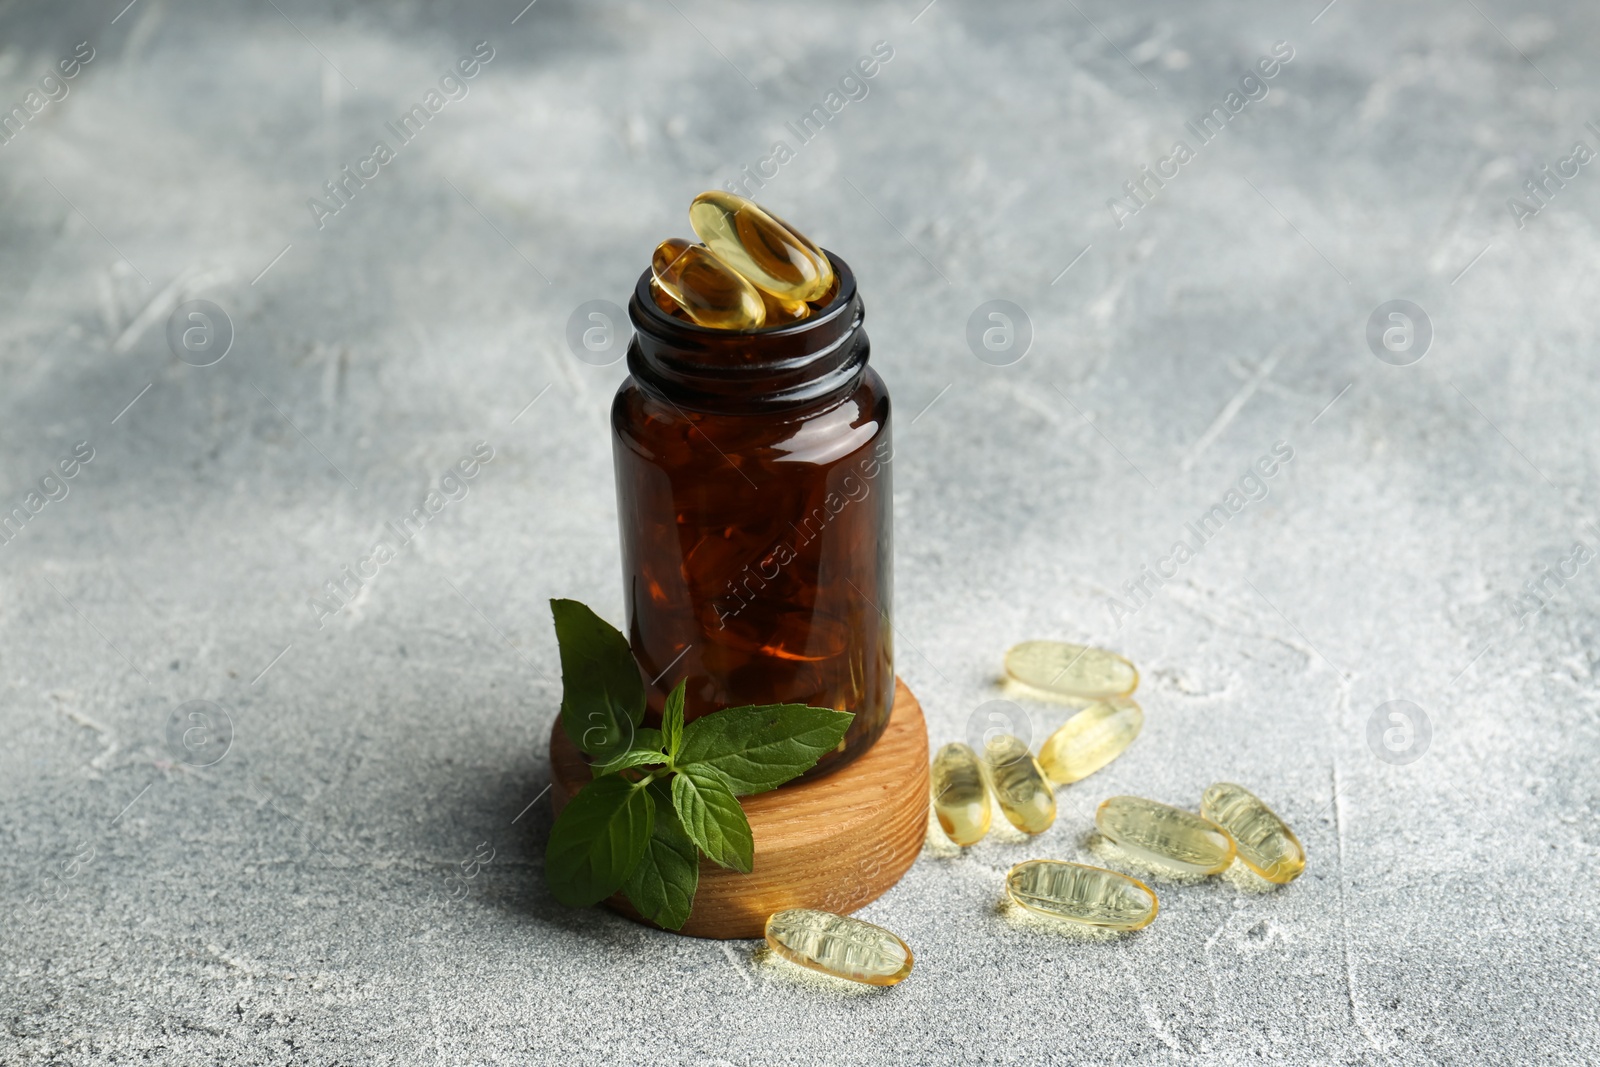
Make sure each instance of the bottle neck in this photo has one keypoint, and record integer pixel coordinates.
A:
(811, 362)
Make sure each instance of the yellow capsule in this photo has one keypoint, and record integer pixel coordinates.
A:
(1089, 740)
(1265, 842)
(828, 295)
(1019, 784)
(665, 302)
(836, 945)
(1077, 892)
(710, 292)
(665, 255)
(960, 796)
(780, 311)
(1164, 835)
(1071, 670)
(763, 248)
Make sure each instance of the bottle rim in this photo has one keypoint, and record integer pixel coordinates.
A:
(786, 365)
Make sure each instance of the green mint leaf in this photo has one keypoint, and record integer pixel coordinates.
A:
(634, 757)
(646, 741)
(662, 885)
(760, 748)
(602, 695)
(597, 841)
(672, 719)
(712, 817)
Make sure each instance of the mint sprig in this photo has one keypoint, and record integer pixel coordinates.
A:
(659, 798)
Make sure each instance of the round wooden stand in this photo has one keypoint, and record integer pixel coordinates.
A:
(835, 843)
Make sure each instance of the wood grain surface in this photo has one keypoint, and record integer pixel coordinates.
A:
(835, 843)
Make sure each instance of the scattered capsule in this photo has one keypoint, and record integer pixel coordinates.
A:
(1265, 842)
(710, 292)
(960, 795)
(760, 246)
(1089, 740)
(1164, 835)
(1071, 670)
(1079, 893)
(833, 944)
(1019, 784)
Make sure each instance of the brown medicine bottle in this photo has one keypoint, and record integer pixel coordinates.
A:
(753, 492)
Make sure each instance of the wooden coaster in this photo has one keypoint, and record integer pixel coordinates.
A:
(836, 843)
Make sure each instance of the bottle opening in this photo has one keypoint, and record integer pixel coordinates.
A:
(789, 364)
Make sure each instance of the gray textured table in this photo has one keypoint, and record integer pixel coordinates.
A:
(357, 878)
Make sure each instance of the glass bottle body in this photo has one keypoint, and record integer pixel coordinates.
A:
(753, 489)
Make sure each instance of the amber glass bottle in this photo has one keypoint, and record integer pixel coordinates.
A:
(753, 492)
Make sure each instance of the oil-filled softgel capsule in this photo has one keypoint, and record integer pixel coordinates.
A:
(838, 945)
(1090, 739)
(773, 255)
(753, 269)
(1068, 670)
(1264, 841)
(1083, 894)
(706, 290)
(960, 795)
(1025, 795)
(1165, 836)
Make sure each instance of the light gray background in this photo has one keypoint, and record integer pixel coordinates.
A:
(305, 900)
